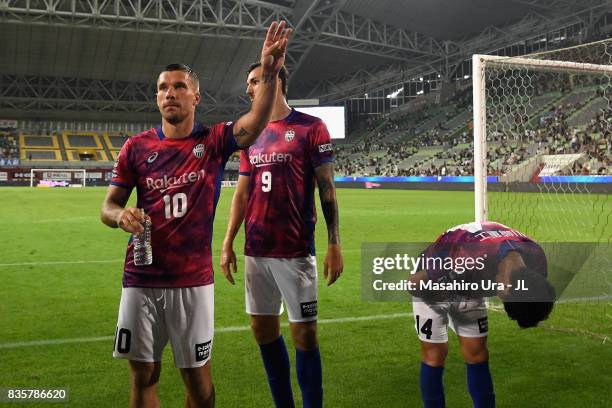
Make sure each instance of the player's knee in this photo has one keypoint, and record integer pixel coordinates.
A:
(202, 396)
(434, 354)
(475, 354)
(145, 375)
(305, 335)
(266, 329)
(200, 389)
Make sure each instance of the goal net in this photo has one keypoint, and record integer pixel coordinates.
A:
(543, 159)
(58, 177)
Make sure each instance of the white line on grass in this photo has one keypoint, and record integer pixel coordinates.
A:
(228, 329)
(576, 332)
(59, 263)
(51, 263)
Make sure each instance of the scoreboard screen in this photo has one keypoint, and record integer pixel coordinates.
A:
(332, 116)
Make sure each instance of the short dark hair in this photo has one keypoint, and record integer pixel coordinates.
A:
(283, 74)
(529, 307)
(190, 73)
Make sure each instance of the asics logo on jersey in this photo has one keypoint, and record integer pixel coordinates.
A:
(266, 159)
(152, 158)
(169, 182)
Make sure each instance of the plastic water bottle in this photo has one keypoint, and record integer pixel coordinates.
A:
(143, 252)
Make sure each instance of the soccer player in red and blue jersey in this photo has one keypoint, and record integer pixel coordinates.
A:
(494, 260)
(275, 197)
(176, 169)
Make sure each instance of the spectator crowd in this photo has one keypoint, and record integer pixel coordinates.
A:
(422, 144)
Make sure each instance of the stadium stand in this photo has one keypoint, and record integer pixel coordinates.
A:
(433, 140)
(436, 141)
(9, 149)
(114, 141)
(83, 146)
(68, 148)
(37, 155)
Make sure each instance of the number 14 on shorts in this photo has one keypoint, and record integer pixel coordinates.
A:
(426, 328)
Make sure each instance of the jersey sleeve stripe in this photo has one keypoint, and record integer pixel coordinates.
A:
(245, 173)
(324, 161)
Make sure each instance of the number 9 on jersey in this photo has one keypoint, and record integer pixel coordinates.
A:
(266, 181)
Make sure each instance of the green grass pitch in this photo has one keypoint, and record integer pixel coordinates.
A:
(369, 362)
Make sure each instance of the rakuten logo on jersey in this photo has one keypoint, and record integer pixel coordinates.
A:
(169, 182)
(266, 159)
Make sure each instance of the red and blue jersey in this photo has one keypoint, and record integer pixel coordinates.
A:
(178, 184)
(280, 215)
(473, 252)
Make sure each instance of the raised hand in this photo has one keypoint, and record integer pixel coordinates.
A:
(274, 47)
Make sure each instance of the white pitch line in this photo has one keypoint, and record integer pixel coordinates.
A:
(228, 329)
(20, 344)
(51, 263)
(59, 263)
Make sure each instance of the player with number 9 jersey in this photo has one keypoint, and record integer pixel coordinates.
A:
(280, 213)
(275, 197)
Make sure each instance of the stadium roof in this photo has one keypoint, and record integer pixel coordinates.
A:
(82, 59)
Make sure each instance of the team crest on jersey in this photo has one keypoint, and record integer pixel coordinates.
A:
(199, 150)
(289, 135)
(152, 158)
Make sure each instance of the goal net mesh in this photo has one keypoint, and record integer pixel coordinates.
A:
(549, 144)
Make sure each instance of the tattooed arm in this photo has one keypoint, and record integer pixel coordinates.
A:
(249, 126)
(334, 263)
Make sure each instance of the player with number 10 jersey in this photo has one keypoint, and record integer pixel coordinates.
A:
(176, 170)
(177, 183)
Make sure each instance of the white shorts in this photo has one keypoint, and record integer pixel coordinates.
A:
(467, 318)
(270, 281)
(149, 317)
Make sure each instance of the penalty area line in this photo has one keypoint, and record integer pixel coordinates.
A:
(228, 329)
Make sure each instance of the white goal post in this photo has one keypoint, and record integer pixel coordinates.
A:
(58, 175)
(479, 64)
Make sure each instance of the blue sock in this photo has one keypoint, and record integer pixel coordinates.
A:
(276, 362)
(432, 387)
(480, 385)
(310, 377)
